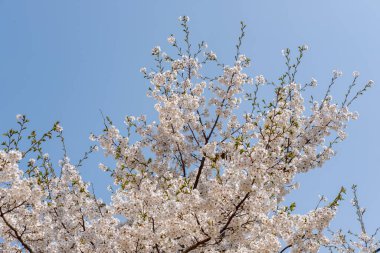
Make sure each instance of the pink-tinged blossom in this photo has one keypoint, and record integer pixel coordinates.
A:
(171, 39)
(200, 179)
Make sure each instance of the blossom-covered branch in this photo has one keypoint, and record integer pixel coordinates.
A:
(207, 177)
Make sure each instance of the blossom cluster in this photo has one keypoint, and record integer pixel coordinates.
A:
(201, 179)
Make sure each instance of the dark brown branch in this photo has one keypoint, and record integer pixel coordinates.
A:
(234, 213)
(180, 155)
(200, 121)
(196, 245)
(192, 132)
(207, 140)
(287, 247)
(200, 243)
(199, 172)
(15, 207)
(16, 233)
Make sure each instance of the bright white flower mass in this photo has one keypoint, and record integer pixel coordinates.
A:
(304, 47)
(355, 74)
(260, 79)
(201, 179)
(337, 73)
(314, 82)
(171, 39)
(58, 127)
(19, 116)
(156, 51)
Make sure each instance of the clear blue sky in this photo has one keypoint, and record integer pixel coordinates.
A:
(65, 60)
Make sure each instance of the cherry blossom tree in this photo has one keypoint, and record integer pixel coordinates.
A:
(210, 176)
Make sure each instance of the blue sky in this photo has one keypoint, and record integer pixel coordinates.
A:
(65, 60)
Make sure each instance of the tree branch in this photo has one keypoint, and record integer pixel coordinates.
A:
(16, 233)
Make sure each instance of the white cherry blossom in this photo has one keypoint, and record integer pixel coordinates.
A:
(200, 179)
